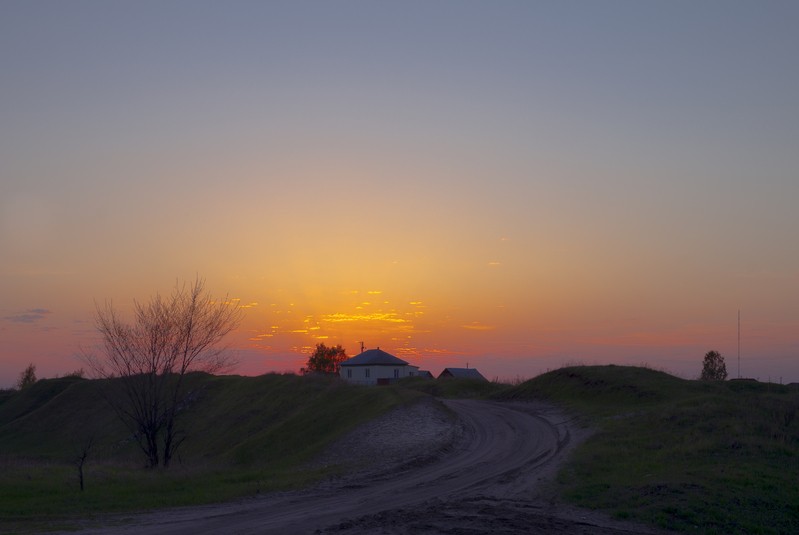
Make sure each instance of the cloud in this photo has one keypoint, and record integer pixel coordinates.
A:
(260, 337)
(475, 326)
(389, 317)
(29, 316)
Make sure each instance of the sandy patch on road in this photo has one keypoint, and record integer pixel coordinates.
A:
(413, 434)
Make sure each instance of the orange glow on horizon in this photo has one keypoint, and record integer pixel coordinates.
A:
(410, 327)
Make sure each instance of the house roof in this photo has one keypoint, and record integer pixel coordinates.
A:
(462, 373)
(374, 357)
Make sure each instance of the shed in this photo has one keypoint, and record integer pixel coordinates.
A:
(461, 373)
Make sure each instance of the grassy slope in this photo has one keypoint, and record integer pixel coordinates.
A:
(48, 420)
(245, 435)
(685, 455)
(697, 457)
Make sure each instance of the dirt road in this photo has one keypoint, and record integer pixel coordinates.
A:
(485, 481)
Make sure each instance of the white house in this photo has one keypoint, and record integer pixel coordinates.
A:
(375, 367)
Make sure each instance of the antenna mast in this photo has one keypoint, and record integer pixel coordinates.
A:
(739, 343)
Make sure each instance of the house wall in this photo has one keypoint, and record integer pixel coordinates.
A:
(368, 375)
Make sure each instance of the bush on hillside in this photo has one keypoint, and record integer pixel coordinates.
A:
(27, 377)
(713, 367)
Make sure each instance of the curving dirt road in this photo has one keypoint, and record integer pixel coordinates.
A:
(485, 481)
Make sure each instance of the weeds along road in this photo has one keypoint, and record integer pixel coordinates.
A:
(504, 449)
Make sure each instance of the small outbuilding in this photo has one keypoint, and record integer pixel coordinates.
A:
(461, 373)
(375, 367)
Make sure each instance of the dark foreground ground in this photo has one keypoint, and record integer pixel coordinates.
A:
(480, 471)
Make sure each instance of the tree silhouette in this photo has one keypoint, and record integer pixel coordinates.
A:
(149, 358)
(27, 377)
(713, 367)
(326, 359)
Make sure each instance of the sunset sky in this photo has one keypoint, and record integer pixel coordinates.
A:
(515, 185)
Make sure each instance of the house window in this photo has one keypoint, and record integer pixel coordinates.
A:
(349, 373)
(396, 374)
(366, 372)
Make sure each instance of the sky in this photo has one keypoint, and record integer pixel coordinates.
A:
(513, 186)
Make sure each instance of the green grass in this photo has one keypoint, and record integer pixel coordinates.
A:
(246, 435)
(683, 455)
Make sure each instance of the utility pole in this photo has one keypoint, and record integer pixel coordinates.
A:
(739, 343)
(361, 342)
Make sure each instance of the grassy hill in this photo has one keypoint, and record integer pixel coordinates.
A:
(245, 435)
(692, 456)
(684, 455)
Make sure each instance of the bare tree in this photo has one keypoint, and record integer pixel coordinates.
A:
(150, 357)
(82, 449)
